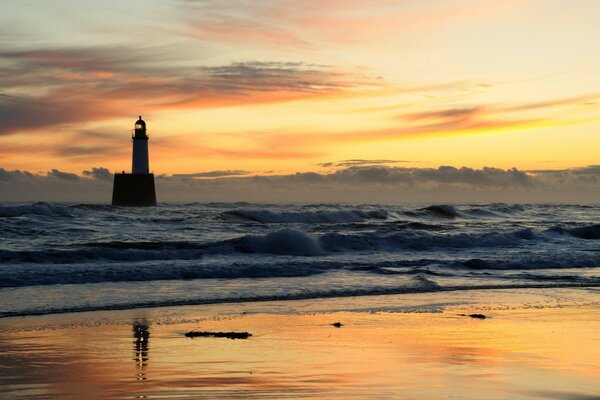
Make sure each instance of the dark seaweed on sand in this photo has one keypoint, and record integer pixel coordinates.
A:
(478, 316)
(228, 335)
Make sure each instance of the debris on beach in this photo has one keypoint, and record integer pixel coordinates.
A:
(337, 324)
(228, 335)
(478, 316)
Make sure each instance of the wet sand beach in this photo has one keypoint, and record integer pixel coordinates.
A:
(532, 345)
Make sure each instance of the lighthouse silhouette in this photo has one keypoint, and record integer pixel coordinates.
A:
(136, 188)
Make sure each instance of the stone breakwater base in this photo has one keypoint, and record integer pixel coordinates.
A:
(134, 190)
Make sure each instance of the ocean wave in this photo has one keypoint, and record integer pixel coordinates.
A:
(494, 209)
(402, 225)
(62, 251)
(45, 209)
(149, 245)
(481, 212)
(532, 262)
(155, 251)
(588, 232)
(414, 240)
(84, 274)
(264, 267)
(443, 210)
(94, 207)
(48, 274)
(307, 217)
(506, 208)
(293, 242)
(424, 283)
(285, 241)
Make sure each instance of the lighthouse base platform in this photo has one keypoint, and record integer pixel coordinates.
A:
(135, 190)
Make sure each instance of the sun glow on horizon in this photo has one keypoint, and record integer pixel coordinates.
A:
(279, 88)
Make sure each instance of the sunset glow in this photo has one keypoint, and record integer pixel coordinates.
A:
(283, 86)
(300, 199)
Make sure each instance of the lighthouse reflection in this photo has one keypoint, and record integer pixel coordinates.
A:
(141, 335)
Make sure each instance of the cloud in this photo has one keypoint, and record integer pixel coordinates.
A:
(19, 176)
(589, 99)
(84, 151)
(213, 174)
(29, 112)
(101, 173)
(485, 177)
(93, 186)
(377, 183)
(66, 176)
(586, 176)
(359, 162)
(273, 76)
(259, 150)
(451, 113)
(383, 183)
(61, 86)
(62, 90)
(488, 117)
(312, 24)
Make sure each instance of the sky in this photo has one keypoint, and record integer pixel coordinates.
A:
(240, 92)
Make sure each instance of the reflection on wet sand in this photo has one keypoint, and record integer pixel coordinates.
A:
(141, 348)
(141, 334)
(524, 354)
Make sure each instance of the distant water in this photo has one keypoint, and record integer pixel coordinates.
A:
(62, 257)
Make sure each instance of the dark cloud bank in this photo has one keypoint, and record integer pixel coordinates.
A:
(375, 183)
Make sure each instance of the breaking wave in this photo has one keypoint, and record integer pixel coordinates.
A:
(284, 241)
(293, 242)
(444, 211)
(8, 211)
(341, 250)
(589, 232)
(419, 269)
(323, 217)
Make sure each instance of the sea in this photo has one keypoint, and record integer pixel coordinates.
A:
(58, 257)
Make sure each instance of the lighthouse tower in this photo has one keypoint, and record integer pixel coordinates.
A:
(140, 163)
(136, 188)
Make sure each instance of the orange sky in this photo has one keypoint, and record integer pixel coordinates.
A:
(278, 87)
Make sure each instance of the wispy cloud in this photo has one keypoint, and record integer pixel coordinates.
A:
(214, 174)
(446, 114)
(74, 85)
(312, 24)
(588, 99)
(76, 145)
(27, 112)
(257, 149)
(359, 162)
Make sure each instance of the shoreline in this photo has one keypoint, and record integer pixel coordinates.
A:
(301, 297)
(533, 344)
(481, 298)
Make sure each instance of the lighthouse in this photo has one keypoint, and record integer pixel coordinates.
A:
(140, 164)
(136, 188)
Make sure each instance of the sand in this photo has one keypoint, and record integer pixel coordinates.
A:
(535, 344)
